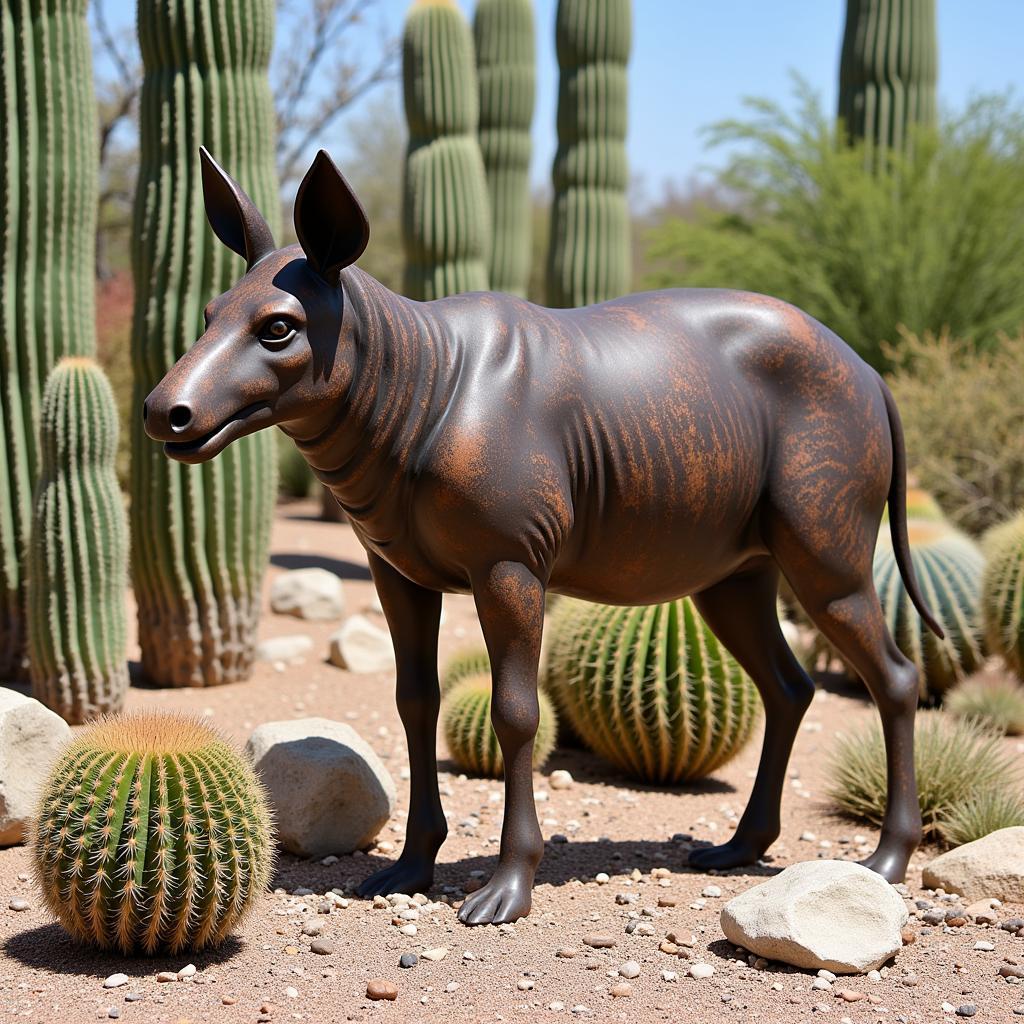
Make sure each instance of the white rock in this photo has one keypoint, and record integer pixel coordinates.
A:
(187, 971)
(31, 737)
(329, 790)
(560, 779)
(991, 867)
(284, 648)
(360, 646)
(700, 971)
(827, 914)
(630, 969)
(116, 981)
(711, 891)
(669, 976)
(313, 594)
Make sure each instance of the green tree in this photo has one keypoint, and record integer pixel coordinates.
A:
(932, 239)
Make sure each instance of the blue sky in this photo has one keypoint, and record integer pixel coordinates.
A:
(694, 60)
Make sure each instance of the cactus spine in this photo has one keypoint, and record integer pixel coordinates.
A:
(153, 834)
(651, 688)
(48, 192)
(887, 71)
(589, 250)
(472, 744)
(78, 556)
(948, 566)
(1002, 592)
(200, 534)
(505, 57)
(445, 215)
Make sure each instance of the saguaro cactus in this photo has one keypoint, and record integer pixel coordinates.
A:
(78, 559)
(505, 59)
(588, 255)
(887, 70)
(48, 190)
(445, 214)
(200, 534)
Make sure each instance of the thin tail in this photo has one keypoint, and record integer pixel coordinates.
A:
(898, 513)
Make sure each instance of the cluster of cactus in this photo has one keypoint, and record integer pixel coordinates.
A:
(589, 251)
(472, 743)
(153, 834)
(445, 208)
(468, 661)
(78, 557)
(1002, 592)
(651, 688)
(200, 534)
(48, 193)
(949, 567)
(887, 71)
(504, 37)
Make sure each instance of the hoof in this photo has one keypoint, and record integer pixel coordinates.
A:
(890, 863)
(508, 896)
(736, 853)
(412, 876)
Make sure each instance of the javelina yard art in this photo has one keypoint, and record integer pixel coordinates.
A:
(678, 442)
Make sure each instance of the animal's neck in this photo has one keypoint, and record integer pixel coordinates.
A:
(402, 380)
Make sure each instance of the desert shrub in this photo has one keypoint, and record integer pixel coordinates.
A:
(997, 702)
(955, 759)
(933, 238)
(964, 423)
(985, 812)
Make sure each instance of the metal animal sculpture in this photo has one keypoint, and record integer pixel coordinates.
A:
(676, 442)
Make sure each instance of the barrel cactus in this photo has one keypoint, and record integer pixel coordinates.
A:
(589, 249)
(1002, 592)
(505, 57)
(78, 556)
(887, 71)
(949, 567)
(48, 193)
(469, 661)
(153, 835)
(200, 534)
(472, 744)
(445, 209)
(650, 688)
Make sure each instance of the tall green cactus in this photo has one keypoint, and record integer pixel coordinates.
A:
(153, 834)
(446, 224)
(505, 58)
(78, 556)
(48, 192)
(200, 534)
(651, 688)
(589, 249)
(887, 71)
(1002, 592)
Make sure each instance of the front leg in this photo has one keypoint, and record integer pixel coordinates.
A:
(413, 615)
(510, 603)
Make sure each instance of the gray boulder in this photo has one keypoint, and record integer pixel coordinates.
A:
(31, 736)
(313, 594)
(989, 868)
(329, 790)
(828, 914)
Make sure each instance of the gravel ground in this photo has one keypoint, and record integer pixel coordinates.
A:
(540, 967)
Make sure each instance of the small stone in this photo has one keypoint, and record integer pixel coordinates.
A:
(1011, 971)
(984, 947)
(186, 972)
(322, 947)
(669, 947)
(630, 969)
(602, 878)
(560, 779)
(313, 594)
(18, 904)
(114, 1012)
(435, 954)
(164, 976)
(381, 988)
(362, 647)
(910, 981)
(621, 989)
(711, 891)
(229, 1000)
(524, 984)
(407, 960)
(132, 997)
(599, 940)
(908, 936)
(850, 995)
(669, 976)
(116, 981)
(700, 971)
(966, 1010)
(821, 985)
(874, 976)
(565, 953)
(312, 928)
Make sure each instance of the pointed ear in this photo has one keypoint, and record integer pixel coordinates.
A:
(330, 222)
(232, 214)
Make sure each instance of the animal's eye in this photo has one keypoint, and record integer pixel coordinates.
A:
(277, 331)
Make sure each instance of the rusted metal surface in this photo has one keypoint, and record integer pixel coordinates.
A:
(669, 443)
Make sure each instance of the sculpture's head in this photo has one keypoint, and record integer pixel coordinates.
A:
(277, 346)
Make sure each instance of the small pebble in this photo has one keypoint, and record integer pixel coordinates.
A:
(621, 989)
(526, 984)
(229, 1000)
(291, 992)
(167, 976)
(909, 936)
(322, 947)
(560, 779)
(116, 981)
(984, 947)
(849, 995)
(18, 904)
(114, 1012)
(566, 953)
(435, 954)
(711, 891)
(700, 971)
(966, 1010)
(186, 972)
(669, 976)
(599, 940)
(381, 988)
(408, 960)
(1011, 971)
(630, 969)
(602, 878)
(132, 997)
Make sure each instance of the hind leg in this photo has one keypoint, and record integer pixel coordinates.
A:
(741, 613)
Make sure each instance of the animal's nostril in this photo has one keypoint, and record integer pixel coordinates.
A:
(180, 417)
(145, 411)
